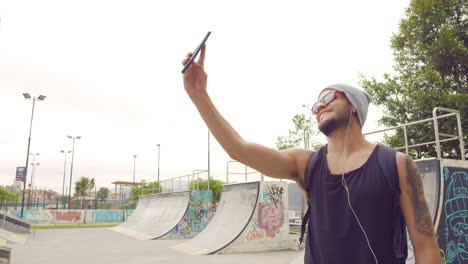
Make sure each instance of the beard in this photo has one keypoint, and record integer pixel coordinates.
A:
(331, 124)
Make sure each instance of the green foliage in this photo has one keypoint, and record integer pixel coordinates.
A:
(303, 135)
(105, 206)
(431, 64)
(83, 186)
(144, 189)
(103, 193)
(7, 196)
(216, 187)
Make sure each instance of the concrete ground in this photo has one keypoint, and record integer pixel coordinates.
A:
(104, 246)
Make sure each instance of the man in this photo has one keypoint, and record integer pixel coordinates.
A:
(351, 218)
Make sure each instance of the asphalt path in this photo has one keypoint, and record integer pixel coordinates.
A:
(104, 246)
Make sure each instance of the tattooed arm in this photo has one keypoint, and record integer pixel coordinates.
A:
(416, 213)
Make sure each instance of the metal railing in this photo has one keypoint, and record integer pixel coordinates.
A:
(179, 184)
(437, 141)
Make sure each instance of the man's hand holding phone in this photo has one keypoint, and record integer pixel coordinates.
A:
(194, 76)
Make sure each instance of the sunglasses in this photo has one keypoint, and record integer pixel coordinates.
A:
(326, 100)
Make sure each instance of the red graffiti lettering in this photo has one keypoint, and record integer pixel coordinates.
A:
(270, 218)
(70, 216)
(255, 234)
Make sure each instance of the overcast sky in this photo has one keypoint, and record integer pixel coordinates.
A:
(111, 74)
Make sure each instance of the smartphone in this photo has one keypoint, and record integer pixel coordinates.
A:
(195, 52)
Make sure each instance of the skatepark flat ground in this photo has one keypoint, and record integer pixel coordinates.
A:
(104, 246)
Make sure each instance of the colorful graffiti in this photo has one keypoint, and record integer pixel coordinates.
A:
(268, 229)
(73, 216)
(270, 214)
(270, 218)
(67, 216)
(255, 234)
(199, 213)
(453, 229)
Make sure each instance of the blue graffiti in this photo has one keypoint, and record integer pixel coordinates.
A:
(456, 217)
(105, 216)
(197, 216)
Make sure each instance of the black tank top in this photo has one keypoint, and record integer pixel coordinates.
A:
(334, 236)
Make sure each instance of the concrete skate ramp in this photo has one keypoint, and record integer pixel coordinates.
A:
(250, 217)
(14, 224)
(299, 259)
(199, 212)
(155, 215)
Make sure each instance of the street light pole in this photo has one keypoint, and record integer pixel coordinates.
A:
(32, 178)
(159, 148)
(134, 168)
(71, 169)
(40, 98)
(64, 173)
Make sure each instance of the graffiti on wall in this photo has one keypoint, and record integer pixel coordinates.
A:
(255, 234)
(66, 216)
(33, 216)
(270, 214)
(453, 226)
(274, 193)
(199, 213)
(72, 216)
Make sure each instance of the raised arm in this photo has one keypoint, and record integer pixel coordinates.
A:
(416, 213)
(289, 164)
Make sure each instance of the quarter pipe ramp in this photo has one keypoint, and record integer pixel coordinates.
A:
(168, 215)
(250, 217)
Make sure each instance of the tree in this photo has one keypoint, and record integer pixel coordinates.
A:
(431, 68)
(102, 194)
(7, 196)
(83, 186)
(216, 186)
(303, 134)
(144, 189)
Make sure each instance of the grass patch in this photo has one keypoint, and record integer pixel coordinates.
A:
(72, 226)
(297, 230)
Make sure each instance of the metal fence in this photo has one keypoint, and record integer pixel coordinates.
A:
(437, 134)
(178, 184)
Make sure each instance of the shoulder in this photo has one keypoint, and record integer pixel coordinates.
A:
(301, 158)
(406, 168)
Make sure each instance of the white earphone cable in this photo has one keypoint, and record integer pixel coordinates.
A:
(345, 185)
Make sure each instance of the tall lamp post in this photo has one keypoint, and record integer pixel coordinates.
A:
(159, 148)
(28, 97)
(64, 172)
(134, 167)
(71, 169)
(32, 178)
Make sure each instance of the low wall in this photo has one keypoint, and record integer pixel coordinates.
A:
(73, 216)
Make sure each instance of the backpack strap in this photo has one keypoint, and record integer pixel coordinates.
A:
(387, 162)
(311, 165)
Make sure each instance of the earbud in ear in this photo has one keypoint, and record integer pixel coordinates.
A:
(354, 110)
